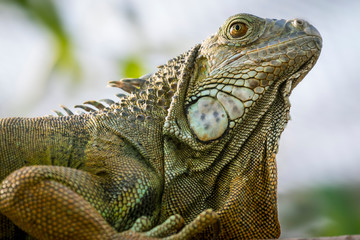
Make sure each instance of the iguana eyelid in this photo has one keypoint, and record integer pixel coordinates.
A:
(238, 21)
(255, 28)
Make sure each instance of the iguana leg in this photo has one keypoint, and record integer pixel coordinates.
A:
(46, 203)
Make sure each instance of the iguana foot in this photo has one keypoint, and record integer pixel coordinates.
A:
(172, 225)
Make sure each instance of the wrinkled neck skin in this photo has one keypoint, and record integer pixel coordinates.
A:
(214, 175)
(233, 164)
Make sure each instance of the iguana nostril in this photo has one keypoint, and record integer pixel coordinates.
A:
(298, 23)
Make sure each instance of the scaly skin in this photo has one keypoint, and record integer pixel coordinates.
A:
(192, 144)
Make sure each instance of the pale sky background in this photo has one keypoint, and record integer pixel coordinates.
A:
(321, 144)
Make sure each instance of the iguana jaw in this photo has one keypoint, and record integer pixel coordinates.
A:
(299, 75)
(293, 79)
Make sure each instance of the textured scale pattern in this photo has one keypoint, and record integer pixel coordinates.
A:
(188, 153)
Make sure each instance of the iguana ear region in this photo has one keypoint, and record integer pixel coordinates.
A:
(213, 111)
(207, 119)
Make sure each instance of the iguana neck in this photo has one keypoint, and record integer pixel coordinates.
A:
(211, 174)
(218, 162)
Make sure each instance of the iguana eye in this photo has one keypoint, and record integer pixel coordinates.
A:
(238, 29)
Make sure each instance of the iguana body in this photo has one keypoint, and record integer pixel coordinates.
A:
(199, 134)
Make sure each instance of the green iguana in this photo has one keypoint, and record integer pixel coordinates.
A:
(189, 153)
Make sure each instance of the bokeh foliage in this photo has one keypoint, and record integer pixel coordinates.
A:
(46, 14)
(321, 211)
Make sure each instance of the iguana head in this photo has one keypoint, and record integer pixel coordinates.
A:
(247, 59)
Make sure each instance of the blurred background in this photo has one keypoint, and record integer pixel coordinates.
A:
(64, 52)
